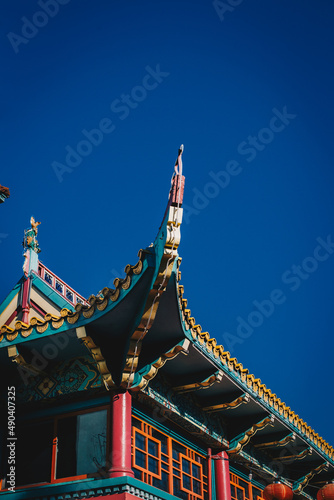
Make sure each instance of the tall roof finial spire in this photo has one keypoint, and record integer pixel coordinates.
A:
(177, 187)
(175, 197)
(178, 163)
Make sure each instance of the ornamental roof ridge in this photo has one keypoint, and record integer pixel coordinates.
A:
(249, 380)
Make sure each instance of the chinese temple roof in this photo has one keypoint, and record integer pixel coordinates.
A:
(136, 333)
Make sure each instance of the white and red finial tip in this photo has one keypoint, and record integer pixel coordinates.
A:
(178, 163)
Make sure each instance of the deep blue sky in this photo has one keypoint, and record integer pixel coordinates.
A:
(222, 77)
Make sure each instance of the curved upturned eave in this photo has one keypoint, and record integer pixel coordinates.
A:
(83, 315)
(160, 259)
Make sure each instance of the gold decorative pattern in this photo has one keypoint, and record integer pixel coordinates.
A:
(57, 323)
(114, 296)
(137, 269)
(244, 398)
(73, 318)
(42, 328)
(126, 283)
(147, 319)
(305, 480)
(86, 313)
(253, 383)
(102, 305)
(172, 236)
(97, 356)
(299, 456)
(205, 384)
(156, 366)
(50, 317)
(17, 358)
(281, 442)
(248, 434)
(12, 336)
(26, 333)
(34, 321)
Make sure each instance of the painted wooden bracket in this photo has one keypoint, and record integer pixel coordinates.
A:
(244, 398)
(204, 384)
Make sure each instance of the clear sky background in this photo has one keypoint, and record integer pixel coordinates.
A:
(220, 82)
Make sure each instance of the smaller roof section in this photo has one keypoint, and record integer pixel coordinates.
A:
(39, 292)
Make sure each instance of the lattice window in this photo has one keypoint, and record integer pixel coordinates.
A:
(244, 490)
(257, 493)
(191, 476)
(147, 453)
(174, 468)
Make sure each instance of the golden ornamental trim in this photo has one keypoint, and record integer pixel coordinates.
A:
(252, 383)
(250, 433)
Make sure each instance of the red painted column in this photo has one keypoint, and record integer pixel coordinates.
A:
(120, 450)
(222, 476)
(25, 301)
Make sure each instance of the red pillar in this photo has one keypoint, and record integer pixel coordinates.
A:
(25, 300)
(120, 427)
(222, 476)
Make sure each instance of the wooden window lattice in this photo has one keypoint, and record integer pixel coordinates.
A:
(182, 472)
(243, 490)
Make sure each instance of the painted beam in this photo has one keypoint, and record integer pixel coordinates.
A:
(141, 378)
(301, 483)
(25, 369)
(244, 398)
(204, 384)
(237, 444)
(274, 444)
(96, 354)
(297, 456)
